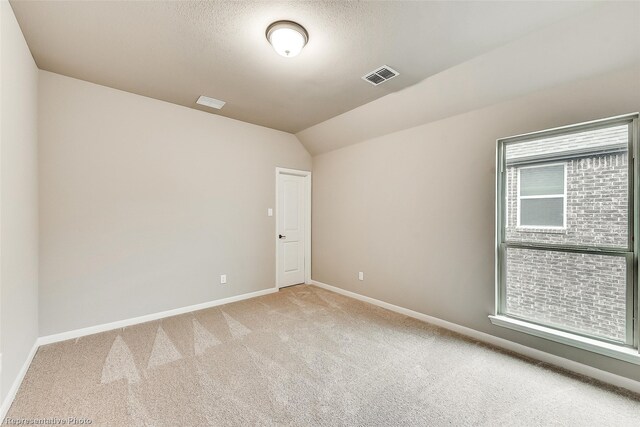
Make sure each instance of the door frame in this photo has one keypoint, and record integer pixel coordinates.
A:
(307, 222)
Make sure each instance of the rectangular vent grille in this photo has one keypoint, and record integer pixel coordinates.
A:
(380, 75)
(375, 79)
(210, 102)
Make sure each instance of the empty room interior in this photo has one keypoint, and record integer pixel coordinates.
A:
(319, 213)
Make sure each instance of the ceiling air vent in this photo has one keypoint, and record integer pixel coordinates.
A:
(210, 102)
(380, 75)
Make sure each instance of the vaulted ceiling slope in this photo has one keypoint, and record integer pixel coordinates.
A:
(178, 50)
(601, 40)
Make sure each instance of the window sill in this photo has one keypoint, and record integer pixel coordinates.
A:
(619, 352)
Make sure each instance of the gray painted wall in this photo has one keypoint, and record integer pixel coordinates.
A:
(18, 199)
(144, 204)
(416, 207)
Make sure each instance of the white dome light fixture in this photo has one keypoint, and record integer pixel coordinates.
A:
(287, 38)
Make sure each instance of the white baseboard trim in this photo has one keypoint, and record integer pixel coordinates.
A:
(8, 399)
(49, 339)
(570, 365)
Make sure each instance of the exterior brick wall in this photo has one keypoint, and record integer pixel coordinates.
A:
(585, 293)
(597, 204)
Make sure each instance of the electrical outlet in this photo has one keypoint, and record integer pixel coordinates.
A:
(223, 279)
(360, 275)
(270, 212)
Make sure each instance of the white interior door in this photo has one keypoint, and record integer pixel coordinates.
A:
(291, 229)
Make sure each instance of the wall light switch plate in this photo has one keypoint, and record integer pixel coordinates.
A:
(269, 212)
(360, 275)
(223, 279)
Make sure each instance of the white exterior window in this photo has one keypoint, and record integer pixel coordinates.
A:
(542, 196)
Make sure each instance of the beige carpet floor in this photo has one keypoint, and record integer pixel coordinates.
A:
(304, 356)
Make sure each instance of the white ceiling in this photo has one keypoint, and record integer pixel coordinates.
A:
(601, 40)
(178, 50)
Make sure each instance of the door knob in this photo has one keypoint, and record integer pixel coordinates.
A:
(280, 236)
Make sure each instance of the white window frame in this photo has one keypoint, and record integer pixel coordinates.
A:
(627, 351)
(563, 196)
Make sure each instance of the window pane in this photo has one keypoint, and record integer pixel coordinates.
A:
(542, 212)
(577, 292)
(597, 188)
(544, 180)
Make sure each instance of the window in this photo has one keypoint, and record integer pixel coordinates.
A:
(566, 258)
(541, 196)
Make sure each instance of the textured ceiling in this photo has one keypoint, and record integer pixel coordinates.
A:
(176, 51)
(561, 53)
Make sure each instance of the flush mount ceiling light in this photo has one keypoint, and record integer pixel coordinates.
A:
(287, 38)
